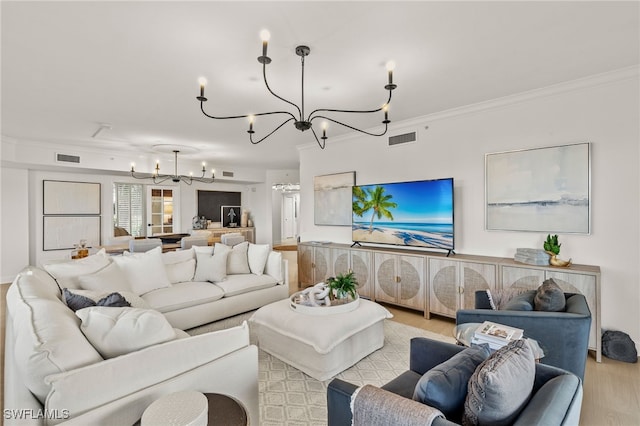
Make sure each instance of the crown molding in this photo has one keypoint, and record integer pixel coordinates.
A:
(628, 73)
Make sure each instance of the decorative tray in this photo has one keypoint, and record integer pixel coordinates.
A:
(299, 303)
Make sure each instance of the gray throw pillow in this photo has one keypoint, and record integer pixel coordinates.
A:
(445, 386)
(521, 302)
(549, 297)
(501, 386)
(76, 301)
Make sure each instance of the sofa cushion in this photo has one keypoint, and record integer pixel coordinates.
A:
(501, 386)
(144, 271)
(46, 332)
(237, 262)
(183, 295)
(273, 266)
(178, 256)
(243, 283)
(118, 331)
(549, 297)
(211, 268)
(257, 255)
(445, 386)
(77, 301)
(180, 265)
(111, 278)
(179, 272)
(66, 273)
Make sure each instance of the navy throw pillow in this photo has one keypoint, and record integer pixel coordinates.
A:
(445, 386)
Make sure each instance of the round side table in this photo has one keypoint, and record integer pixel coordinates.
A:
(224, 410)
(186, 408)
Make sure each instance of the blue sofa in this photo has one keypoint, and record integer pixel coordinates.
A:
(562, 336)
(556, 398)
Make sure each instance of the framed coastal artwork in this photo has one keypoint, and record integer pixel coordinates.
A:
(539, 190)
(230, 216)
(332, 199)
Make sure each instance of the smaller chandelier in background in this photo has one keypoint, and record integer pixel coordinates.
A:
(286, 187)
(175, 177)
(303, 121)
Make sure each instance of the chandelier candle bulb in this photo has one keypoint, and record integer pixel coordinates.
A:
(265, 36)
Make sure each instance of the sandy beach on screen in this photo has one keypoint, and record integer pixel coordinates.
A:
(401, 237)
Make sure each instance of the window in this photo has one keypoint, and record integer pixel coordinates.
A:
(128, 208)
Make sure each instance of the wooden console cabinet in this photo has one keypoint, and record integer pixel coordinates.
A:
(248, 233)
(435, 283)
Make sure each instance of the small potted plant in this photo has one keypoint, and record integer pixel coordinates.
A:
(552, 247)
(342, 286)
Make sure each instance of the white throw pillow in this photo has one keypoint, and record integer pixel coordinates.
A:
(202, 249)
(257, 255)
(237, 262)
(178, 256)
(211, 268)
(274, 266)
(144, 271)
(67, 273)
(181, 272)
(109, 279)
(118, 331)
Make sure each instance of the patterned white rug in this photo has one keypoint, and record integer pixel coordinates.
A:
(290, 397)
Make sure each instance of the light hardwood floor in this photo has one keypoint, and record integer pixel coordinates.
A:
(611, 388)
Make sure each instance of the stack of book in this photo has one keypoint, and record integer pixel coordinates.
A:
(496, 335)
(531, 256)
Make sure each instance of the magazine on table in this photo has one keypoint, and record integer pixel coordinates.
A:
(499, 334)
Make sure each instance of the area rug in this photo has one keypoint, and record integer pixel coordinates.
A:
(290, 397)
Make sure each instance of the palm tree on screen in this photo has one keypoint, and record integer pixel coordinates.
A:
(373, 199)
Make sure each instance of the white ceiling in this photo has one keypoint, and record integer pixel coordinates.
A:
(69, 66)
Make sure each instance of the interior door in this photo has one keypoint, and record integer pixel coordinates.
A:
(162, 211)
(288, 216)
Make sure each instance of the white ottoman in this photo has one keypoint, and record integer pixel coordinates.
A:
(320, 346)
(187, 408)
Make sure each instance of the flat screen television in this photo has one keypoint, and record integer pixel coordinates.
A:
(418, 214)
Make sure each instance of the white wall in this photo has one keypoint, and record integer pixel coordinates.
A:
(603, 110)
(14, 222)
(24, 221)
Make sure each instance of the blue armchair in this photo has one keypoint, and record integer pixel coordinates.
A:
(556, 398)
(562, 336)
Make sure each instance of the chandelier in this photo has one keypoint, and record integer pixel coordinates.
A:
(286, 187)
(301, 121)
(175, 177)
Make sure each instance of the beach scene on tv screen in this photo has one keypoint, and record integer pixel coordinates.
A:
(416, 213)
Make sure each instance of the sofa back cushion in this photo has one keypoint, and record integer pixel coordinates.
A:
(47, 334)
(67, 272)
(144, 271)
(273, 266)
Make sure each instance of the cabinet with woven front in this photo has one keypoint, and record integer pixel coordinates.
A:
(400, 279)
(453, 283)
(358, 261)
(314, 264)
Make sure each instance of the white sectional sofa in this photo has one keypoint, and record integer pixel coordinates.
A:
(105, 365)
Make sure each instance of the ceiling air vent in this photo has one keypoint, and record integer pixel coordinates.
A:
(227, 174)
(404, 138)
(64, 158)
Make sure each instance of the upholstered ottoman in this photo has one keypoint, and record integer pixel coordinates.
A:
(320, 346)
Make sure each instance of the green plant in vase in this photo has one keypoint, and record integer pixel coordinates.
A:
(342, 286)
(552, 247)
